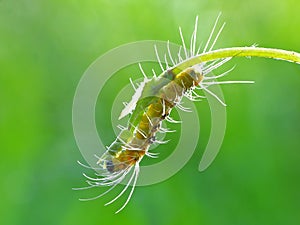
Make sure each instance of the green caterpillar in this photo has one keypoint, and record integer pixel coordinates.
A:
(156, 97)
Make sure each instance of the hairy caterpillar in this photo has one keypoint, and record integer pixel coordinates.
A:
(150, 105)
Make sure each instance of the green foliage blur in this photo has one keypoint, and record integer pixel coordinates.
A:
(45, 47)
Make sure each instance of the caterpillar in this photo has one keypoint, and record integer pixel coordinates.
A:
(152, 104)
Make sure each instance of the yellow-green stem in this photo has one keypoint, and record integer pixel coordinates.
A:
(239, 52)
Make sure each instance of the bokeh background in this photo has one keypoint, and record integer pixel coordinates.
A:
(45, 47)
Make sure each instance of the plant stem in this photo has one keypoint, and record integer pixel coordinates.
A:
(239, 52)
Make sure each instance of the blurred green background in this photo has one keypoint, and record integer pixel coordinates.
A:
(45, 47)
